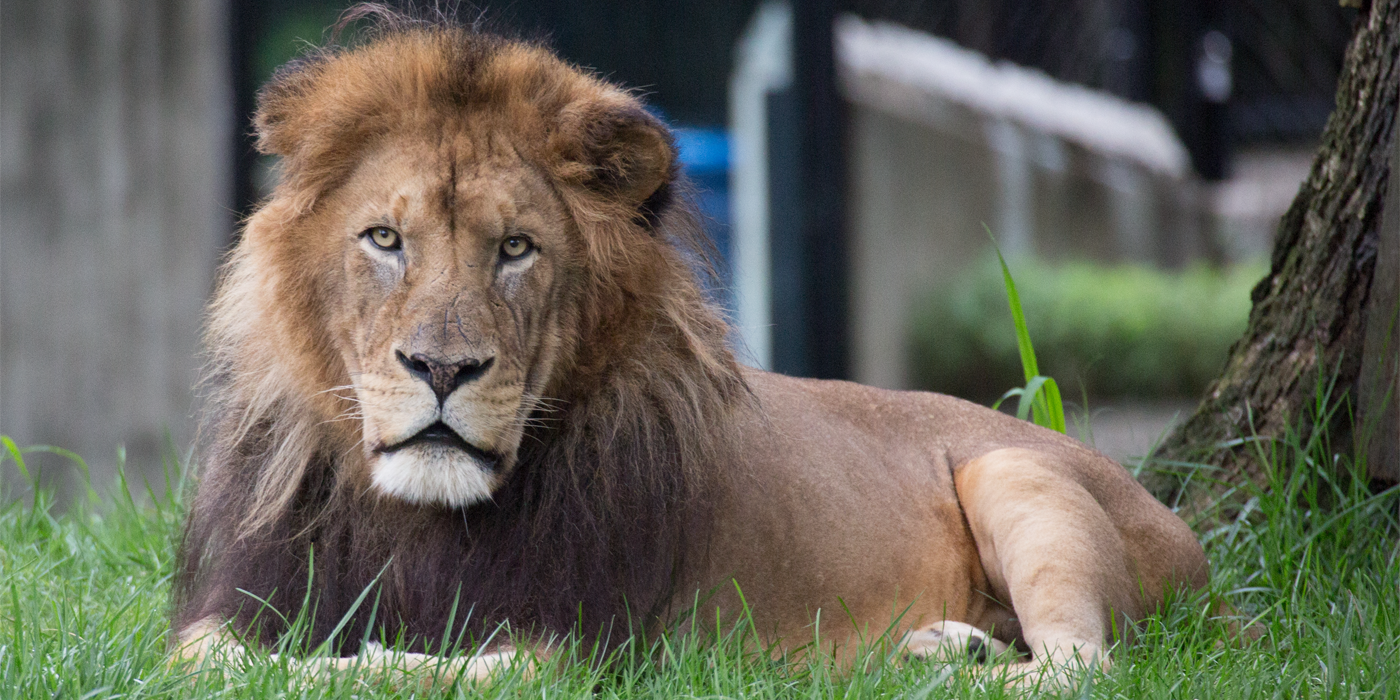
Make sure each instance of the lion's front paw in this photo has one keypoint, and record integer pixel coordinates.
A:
(951, 641)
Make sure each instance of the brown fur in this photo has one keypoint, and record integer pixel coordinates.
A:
(617, 461)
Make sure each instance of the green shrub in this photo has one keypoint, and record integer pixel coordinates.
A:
(1115, 330)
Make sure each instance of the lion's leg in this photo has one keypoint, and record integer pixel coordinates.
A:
(951, 641)
(402, 669)
(208, 641)
(1055, 556)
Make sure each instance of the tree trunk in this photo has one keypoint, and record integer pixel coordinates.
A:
(1311, 311)
(1379, 390)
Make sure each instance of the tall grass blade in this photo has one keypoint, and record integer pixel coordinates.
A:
(1041, 392)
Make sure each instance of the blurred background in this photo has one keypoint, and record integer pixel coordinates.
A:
(1130, 157)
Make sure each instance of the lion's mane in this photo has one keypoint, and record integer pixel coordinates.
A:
(610, 488)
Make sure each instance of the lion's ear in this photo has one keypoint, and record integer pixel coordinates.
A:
(634, 157)
(282, 120)
(627, 153)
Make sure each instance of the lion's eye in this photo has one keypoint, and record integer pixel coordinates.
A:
(516, 247)
(384, 238)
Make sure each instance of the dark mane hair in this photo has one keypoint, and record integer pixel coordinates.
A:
(592, 527)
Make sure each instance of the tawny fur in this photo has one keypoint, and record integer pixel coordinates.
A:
(626, 461)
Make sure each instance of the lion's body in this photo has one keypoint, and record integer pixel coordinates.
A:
(864, 500)
(460, 357)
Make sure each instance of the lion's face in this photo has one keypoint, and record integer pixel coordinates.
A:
(454, 253)
(462, 233)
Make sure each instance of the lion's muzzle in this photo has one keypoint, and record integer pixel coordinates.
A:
(445, 434)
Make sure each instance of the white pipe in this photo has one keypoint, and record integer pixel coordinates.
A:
(763, 65)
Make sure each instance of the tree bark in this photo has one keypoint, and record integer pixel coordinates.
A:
(1310, 312)
(1379, 386)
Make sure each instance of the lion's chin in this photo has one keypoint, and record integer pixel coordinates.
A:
(433, 475)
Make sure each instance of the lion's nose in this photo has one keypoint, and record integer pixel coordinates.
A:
(444, 376)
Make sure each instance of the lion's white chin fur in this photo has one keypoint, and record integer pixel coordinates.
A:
(433, 475)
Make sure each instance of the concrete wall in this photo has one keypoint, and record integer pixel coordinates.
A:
(943, 142)
(918, 200)
(920, 197)
(113, 164)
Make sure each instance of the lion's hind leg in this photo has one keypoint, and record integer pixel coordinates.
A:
(951, 641)
(1051, 552)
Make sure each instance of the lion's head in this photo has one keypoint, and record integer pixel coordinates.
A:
(464, 233)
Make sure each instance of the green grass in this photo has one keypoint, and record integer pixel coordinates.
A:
(85, 596)
(1040, 397)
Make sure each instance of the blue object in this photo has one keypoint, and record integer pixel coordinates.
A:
(703, 151)
(704, 155)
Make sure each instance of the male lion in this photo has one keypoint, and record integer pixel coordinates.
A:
(460, 359)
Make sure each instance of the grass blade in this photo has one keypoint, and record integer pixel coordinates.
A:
(1040, 399)
(1023, 336)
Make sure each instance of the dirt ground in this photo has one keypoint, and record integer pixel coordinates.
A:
(1127, 429)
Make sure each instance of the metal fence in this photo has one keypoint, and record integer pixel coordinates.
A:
(1288, 54)
(1226, 72)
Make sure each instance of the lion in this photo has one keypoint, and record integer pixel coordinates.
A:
(461, 359)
